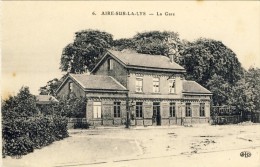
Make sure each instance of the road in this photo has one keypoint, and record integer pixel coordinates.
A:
(196, 146)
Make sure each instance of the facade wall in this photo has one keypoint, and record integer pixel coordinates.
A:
(76, 90)
(180, 117)
(148, 83)
(107, 112)
(118, 72)
(107, 100)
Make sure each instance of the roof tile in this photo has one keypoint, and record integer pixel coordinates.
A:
(145, 60)
(194, 87)
(97, 82)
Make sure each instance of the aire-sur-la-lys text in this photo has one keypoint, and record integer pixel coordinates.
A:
(131, 13)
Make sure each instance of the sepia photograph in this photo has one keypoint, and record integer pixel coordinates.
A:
(130, 83)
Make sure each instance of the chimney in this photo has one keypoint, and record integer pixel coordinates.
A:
(171, 58)
(172, 53)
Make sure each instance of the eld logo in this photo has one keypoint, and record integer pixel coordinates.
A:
(245, 154)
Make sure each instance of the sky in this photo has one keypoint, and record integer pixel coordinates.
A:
(33, 33)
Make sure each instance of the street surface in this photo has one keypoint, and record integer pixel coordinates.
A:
(196, 146)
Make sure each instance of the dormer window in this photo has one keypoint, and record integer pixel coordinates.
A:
(171, 85)
(110, 64)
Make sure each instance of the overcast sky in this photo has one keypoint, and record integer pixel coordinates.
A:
(34, 33)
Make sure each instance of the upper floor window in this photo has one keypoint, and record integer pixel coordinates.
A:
(117, 109)
(202, 109)
(172, 109)
(70, 87)
(110, 64)
(139, 85)
(96, 109)
(156, 85)
(172, 86)
(139, 109)
(188, 110)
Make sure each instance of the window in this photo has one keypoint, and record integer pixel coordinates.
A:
(139, 109)
(110, 64)
(188, 110)
(172, 109)
(70, 87)
(116, 109)
(172, 86)
(202, 109)
(156, 85)
(96, 109)
(139, 85)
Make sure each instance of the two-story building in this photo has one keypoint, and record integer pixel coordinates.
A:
(150, 89)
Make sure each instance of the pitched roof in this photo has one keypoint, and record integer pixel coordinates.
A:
(45, 99)
(194, 87)
(132, 59)
(100, 82)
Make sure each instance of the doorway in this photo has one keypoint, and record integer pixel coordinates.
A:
(156, 113)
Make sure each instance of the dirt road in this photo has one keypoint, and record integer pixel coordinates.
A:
(202, 145)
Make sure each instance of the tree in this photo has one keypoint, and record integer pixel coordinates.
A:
(51, 87)
(220, 89)
(241, 97)
(85, 51)
(213, 65)
(22, 105)
(204, 58)
(73, 107)
(124, 43)
(252, 78)
(157, 43)
(151, 42)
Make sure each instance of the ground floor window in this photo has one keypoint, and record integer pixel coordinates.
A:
(202, 109)
(96, 109)
(172, 109)
(116, 109)
(139, 109)
(188, 110)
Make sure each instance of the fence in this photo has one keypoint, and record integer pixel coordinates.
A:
(255, 117)
(77, 123)
(222, 120)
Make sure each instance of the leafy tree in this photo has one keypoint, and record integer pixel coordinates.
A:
(204, 58)
(73, 107)
(83, 53)
(22, 105)
(241, 97)
(252, 78)
(220, 89)
(157, 43)
(124, 43)
(51, 87)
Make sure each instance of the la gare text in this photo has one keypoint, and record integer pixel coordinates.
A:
(127, 13)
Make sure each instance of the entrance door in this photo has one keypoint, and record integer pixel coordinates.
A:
(156, 114)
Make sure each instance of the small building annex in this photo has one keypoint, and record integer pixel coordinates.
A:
(147, 89)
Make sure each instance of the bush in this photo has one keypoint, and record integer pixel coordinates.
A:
(22, 136)
(23, 131)
(73, 107)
